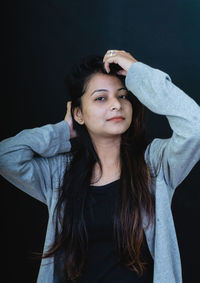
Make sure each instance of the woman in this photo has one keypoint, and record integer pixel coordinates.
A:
(109, 193)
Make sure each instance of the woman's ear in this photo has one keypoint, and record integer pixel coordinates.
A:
(78, 116)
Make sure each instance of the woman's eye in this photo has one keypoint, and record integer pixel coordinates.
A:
(100, 98)
(123, 96)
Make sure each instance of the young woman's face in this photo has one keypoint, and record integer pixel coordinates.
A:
(105, 110)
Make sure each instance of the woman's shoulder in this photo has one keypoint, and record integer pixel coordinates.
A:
(60, 163)
(154, 153)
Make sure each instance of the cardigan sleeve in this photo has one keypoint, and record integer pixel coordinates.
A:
(34, 158)
(171, 158)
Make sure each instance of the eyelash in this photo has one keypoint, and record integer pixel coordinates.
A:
(120, 96)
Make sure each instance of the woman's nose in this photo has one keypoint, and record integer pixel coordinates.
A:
(115, 104)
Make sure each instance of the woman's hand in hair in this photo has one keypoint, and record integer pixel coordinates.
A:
(68, 119)
(120, 57)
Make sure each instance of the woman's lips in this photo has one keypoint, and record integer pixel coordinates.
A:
(117, 119)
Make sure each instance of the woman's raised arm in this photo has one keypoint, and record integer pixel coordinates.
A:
(34, 159)
(173, 158)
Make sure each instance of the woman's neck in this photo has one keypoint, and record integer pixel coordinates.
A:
(108, 151)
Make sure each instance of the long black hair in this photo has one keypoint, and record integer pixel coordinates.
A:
(134, 198)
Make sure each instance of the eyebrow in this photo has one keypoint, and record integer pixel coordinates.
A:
(102, 89)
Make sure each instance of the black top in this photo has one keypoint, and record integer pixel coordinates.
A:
(103, 264)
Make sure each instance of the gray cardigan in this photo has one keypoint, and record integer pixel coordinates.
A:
(170, 161)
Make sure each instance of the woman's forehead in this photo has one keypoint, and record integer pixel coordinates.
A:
(103, 81)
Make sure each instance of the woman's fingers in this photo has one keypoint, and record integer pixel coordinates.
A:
(120, 57)
(109, 61)
(122, 73)
(109, 58)
(68, 119)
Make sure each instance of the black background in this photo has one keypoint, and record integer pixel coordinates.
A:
(42, 39)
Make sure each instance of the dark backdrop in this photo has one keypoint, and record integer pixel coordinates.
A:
(42, 39)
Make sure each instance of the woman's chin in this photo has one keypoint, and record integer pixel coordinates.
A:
(115, 133)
